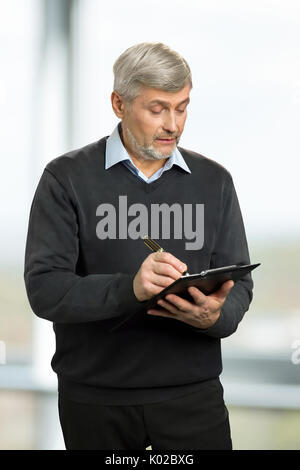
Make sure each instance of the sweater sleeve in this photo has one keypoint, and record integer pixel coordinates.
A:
(55, 292)
(231, 248)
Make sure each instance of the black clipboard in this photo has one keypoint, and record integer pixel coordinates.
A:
(207, 281)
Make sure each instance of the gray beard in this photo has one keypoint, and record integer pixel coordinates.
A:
(148, 153)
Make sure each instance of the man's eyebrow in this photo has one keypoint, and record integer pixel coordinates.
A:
(164, 103)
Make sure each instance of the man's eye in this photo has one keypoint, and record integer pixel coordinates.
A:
(155, 112)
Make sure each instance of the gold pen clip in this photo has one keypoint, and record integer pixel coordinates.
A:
(152, 244)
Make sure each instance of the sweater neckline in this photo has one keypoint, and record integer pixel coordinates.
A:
(150, 187)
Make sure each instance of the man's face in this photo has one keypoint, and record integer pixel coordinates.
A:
(153, 123)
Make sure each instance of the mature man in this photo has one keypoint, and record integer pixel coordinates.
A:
(129, 377)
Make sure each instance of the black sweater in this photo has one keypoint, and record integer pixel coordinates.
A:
(83, 250)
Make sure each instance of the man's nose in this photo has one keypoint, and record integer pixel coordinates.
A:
(170, 123)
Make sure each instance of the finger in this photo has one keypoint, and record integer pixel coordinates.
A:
(160, 313)
(198, 296)
(166, 270)
(161, 280)
(165, 257)
(153, 289)
(179, 303)
(168, 306)
(224, 290)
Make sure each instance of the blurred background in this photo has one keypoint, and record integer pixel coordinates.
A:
(56, 78)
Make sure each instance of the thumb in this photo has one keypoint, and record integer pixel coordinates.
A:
(226, 288)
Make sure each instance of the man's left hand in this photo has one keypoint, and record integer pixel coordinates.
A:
(203, 312)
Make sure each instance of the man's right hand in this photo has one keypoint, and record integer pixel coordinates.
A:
(157, 272)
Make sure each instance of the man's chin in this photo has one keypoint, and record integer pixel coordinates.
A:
(164, 151)
(156, 155)
(153, 156)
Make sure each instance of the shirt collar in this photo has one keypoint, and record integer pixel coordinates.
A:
(116, 152)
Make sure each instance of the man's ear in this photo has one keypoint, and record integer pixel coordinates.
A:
(118, 104)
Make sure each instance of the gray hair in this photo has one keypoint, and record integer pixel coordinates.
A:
(153, 65)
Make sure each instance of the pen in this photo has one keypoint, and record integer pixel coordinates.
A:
(154, 246)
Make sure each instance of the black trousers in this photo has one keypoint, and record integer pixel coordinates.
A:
(198, 421)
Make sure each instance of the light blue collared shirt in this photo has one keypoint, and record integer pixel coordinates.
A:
(116, 152)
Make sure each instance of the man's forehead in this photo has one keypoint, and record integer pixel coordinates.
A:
(156, 96)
